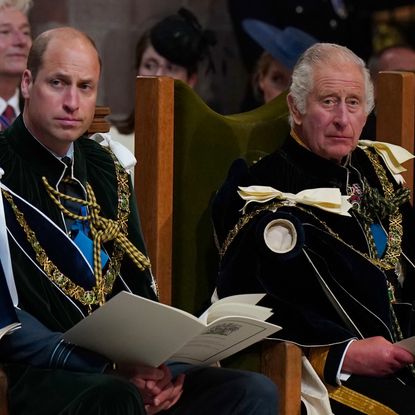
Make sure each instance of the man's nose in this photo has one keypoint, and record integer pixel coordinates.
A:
(342, 115)
(20, 38)
(71, 99)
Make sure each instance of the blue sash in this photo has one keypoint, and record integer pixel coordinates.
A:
(60, 249)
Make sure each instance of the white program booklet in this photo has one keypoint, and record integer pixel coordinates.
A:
(133, 329)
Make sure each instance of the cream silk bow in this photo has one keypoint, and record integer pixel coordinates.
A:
(329, 199)
(391, 154)
(124, 156)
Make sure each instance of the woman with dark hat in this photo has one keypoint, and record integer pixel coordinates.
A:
(175, 46)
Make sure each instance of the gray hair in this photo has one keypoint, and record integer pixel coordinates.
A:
(320, 54)
(23, 5)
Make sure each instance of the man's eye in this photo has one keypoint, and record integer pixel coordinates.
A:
(55, 82)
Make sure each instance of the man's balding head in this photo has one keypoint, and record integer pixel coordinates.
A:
(61, 34)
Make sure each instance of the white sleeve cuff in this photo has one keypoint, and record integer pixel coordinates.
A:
(343, 376)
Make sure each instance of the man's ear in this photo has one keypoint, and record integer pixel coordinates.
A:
(26, 84)
(296, 115)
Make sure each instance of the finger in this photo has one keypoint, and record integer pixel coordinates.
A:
(147, 393)
(161, 384)
(146, 372)
(176, 399)
(154, 409)
(178, 390)
(171, 391)
(404, 356)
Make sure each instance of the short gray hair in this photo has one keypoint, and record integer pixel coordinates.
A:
(317, 55)
(23, 5)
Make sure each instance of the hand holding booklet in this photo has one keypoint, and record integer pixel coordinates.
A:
(408, 344)
(133, 329)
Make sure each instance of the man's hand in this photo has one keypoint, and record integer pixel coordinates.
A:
(375, 356)
(156, 387)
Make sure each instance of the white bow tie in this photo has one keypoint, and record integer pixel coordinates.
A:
(328, 199)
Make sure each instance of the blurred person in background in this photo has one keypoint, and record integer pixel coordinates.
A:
(174, 47)
(15, 42)
(282, 48)
(345, 22)
(392, 58)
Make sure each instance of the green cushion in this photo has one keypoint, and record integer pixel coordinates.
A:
(205, 144)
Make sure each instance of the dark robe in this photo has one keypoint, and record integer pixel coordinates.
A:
(45, 309)
(325, 291)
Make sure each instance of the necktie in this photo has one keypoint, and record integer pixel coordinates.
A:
(7, 117)
(70, 188)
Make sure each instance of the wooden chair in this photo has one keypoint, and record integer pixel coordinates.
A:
(395, 114)
(184, 150)
(182, 147)
(100, 123)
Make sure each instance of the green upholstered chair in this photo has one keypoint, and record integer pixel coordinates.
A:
(184, 150)
(184, 145)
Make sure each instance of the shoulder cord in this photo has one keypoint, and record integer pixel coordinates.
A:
(395, 232)
(102, 230)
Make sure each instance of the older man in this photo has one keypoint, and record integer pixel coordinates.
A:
(15, 42)
(326, 228)
(80, 186)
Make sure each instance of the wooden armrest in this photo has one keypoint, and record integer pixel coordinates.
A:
(99, 123)
(281, 361)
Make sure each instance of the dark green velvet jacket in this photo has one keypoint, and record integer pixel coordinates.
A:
(324, 291)
(25, 161)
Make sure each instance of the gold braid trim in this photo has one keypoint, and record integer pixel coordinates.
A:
(346, 396)
(66, 285)
(102, 230)
(274, 206)
(393, 250)
(358, 401)
(391, 258)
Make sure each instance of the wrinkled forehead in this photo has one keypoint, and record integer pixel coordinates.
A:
(336, 74)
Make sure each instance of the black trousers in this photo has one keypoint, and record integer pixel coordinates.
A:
(207, 390)
(34, 391)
